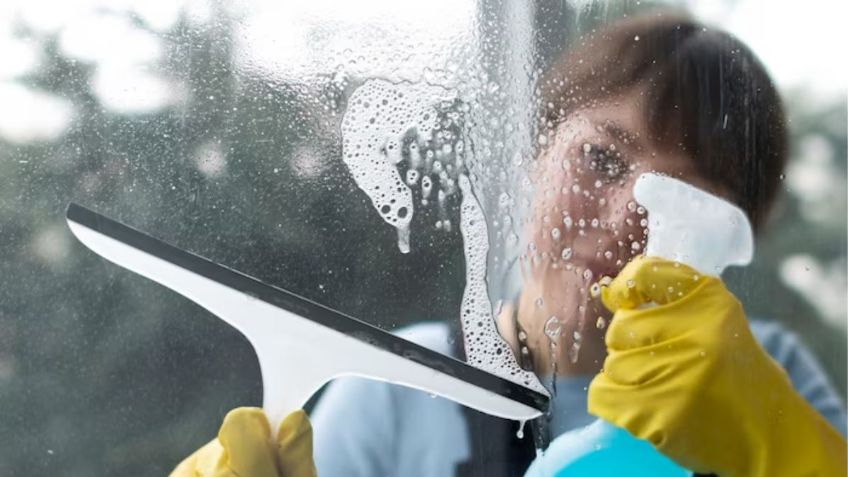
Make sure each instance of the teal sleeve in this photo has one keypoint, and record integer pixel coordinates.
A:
(365, 428)
(807, 375)
(353, 429)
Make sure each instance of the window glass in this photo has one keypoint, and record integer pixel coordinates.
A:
(425, 167)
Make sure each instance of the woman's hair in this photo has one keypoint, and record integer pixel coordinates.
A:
(705, 93)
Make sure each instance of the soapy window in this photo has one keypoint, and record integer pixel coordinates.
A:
(381, 158)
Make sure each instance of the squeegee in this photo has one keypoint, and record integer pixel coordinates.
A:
(301, 344)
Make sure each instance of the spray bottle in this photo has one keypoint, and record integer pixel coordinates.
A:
(687, 225)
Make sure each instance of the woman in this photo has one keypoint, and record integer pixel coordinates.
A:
(661, 94)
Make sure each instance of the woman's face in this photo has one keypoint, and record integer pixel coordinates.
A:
(584, 214)
(585, 223)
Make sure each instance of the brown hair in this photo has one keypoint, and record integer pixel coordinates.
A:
(704, 92)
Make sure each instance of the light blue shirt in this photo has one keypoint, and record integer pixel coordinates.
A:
(365, 428)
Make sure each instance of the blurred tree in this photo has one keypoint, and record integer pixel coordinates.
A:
(105, 373)
(809, 223)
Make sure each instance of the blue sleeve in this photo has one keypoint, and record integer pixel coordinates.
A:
(807, 376)
(353, 429)
(365, 428)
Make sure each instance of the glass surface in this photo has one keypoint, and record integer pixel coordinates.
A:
(342, 150)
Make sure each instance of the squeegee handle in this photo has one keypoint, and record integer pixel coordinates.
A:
(300, 344)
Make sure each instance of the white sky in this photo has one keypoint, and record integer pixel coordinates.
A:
(281, 38)
(802, 44)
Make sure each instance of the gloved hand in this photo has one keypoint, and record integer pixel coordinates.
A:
(244, 448)
(688, 376)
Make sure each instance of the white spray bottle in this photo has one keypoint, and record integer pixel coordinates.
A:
(691, 226)
(687, 225)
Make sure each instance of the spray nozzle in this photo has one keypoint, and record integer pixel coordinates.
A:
(691, 226)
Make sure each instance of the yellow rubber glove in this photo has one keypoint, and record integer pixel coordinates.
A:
(688, 376)
(244, 448)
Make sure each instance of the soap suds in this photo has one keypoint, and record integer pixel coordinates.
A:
(379, 115)
(485, 348)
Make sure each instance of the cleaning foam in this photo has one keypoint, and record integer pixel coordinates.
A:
(378, 116)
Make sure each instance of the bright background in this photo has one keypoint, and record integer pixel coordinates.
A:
(215, 128)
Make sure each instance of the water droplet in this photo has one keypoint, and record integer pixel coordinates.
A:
(540, 302)
(403, 239)
(566, 253)
(520, 433)
(574, 353)
(553, 327)
(595, 290)
(411, 177)
(631, 206)
(555, 233)
(631, 284)
(601, 323)
(504, 200)
(426, 186)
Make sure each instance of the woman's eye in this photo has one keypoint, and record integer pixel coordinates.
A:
(606, 161)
